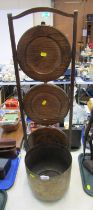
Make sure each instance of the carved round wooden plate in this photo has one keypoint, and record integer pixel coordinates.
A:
(43, 53)
(46, 104)
(47, 135)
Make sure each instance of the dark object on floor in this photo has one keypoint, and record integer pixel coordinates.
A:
(3, 199)
(5, 165)
(86, 176)
(88, 164)
(76, 137)
(86, 160)
(89, 138)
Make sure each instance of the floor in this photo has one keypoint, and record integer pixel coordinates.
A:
(20, 196)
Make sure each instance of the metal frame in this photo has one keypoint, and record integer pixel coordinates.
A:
(14, 52)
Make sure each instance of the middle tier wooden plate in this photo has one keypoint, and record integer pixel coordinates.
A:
(46, 104)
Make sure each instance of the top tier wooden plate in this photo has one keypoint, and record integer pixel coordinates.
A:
(43, 53)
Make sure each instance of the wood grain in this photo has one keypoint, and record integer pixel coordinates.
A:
(16, 135)
(43, 53)
(46, 104)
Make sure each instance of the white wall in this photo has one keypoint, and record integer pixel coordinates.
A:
(15, 7)
(15, 4)
(20, 27)
(25, 4)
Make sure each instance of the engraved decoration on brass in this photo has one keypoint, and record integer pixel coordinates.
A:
(46, 104)
(43, 53)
